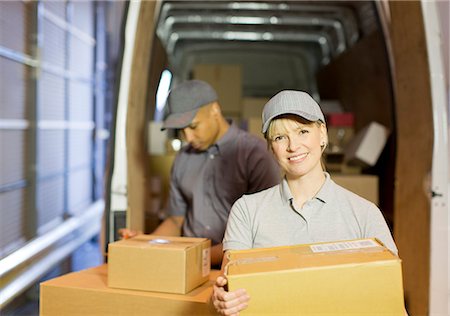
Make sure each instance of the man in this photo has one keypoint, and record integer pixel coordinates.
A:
(219, 165)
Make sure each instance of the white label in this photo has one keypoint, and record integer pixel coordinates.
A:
(344, 245)
(159, 241)
(206, 261)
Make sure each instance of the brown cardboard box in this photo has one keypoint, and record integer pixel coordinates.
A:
(252, 107)
(86, 293)
(251, 115)
(364, 185)
(359, 277)
(160, 165)
(156, 263)
(227, 81)
(253, 126)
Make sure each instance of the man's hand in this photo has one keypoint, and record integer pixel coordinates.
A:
(126, 233)
(170, 227)
(228, 303)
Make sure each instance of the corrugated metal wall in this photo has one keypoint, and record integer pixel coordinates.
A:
(49, 97)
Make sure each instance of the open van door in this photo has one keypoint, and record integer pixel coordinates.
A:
(128, 178)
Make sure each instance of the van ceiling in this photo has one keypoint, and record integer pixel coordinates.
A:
(280, 45)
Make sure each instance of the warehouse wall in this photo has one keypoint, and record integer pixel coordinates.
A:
(55, 113)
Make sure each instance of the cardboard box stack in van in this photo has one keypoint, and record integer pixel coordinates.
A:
(226, 79)
(357, 277)
(365, 185)
(251, 114)
(161, 264)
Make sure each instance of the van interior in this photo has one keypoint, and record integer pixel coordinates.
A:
(363, 61)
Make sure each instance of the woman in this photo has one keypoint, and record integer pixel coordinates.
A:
(307, 206)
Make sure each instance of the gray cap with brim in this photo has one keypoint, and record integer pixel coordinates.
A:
(184, 101)
(291, 102)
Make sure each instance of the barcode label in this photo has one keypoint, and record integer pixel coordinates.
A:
(206, 262)
(344, 245)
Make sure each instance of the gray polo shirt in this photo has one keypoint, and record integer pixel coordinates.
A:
(205, 184)
(270, 218)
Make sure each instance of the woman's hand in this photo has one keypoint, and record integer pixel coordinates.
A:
(228, 303)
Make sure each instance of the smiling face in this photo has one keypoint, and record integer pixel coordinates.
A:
(296, 144)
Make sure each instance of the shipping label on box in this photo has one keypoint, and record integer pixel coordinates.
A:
(157, 263)
(357, 277)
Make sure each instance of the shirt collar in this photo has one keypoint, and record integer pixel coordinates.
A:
(229, 137)
(324, 194)
(286, 195)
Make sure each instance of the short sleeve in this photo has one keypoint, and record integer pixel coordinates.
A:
(177, 204)
(377, 227)
(238, 234)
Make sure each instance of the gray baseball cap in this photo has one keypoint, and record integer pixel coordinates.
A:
(184, 101)
(291, 102)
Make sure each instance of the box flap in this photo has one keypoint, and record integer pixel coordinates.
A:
(317, 255)
(153, 241)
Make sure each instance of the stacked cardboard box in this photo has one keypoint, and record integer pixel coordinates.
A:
(227, 81)
(160, 166)
(364, 185)
(359, 277)
(157, 263)
(251, 114)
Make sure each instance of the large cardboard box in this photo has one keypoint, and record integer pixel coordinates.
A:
(365, 185)
(86, 293)
(226, 79)
(156, 263)
(359, 277)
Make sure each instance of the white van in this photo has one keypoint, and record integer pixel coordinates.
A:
(384, 62)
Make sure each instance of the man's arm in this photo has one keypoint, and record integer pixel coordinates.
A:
(170, 227)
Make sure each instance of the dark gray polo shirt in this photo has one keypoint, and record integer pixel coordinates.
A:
(205, 184)
(270, 218)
